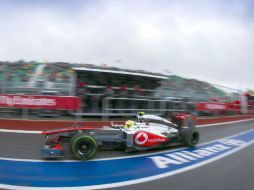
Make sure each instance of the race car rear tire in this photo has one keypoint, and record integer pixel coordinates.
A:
(83, 147)
(190, 136)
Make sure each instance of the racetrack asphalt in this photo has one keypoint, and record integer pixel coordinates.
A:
(233, 172)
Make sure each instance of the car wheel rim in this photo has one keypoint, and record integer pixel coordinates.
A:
(84, 148)
(195, 138)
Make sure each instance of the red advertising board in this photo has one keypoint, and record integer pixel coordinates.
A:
(40, 102)
(204, 106)
(219, 106)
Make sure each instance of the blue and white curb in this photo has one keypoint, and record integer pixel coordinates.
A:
(116, 172)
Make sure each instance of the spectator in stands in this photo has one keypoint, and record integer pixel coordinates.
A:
(109, 90)
(123, 91)
(81, 88)
(8, 76)
(137, 91)
(52, 77)
(213, 99)
(81, 92)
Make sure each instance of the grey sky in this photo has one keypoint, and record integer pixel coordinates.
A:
(212, 40)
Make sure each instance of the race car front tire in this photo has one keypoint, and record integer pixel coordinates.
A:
(83, 147)
(190, 136)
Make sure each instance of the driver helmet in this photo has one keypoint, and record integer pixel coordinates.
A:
(140, 117)
(129, 124)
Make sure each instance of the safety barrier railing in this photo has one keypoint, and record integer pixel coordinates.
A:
(124, 106)
(130, 106)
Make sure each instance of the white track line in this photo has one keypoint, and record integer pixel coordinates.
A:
(19, 131)
(225, 123)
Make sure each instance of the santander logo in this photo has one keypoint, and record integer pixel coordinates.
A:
(143, 138)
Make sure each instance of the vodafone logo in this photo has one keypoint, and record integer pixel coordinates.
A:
(141, 138)
(144, 139)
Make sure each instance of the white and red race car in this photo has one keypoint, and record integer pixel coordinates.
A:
(147, 132)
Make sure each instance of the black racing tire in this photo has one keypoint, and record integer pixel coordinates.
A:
(83, 147)
(190, 136)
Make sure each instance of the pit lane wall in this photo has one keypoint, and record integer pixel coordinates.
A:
(40, 125)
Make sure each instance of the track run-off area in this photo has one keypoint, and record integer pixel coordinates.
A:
(222, 160)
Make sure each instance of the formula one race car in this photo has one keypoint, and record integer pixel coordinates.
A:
(147, 132)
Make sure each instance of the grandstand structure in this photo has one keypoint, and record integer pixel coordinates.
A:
(34, 78)
(199, 90)
(109, 91)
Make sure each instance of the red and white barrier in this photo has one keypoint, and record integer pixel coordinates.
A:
(40, 102)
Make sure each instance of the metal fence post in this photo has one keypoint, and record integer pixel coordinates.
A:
(105, 106)
(25, 113)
